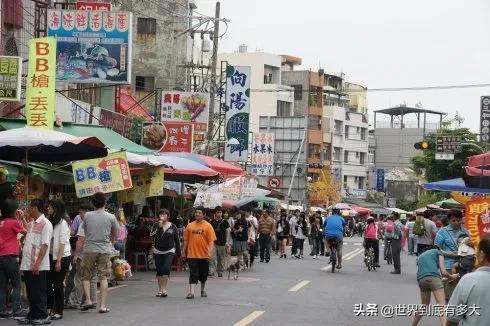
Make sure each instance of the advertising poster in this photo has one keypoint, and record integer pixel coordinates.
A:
(208, 199)
(108, 174)
(263, 154)
(231, 189)
(168, 136)
(10, 78)
(92, 46)
(116, 121)
(477, 218)
(41, 83)
(146, 183)
(186, 107)
(237, 111)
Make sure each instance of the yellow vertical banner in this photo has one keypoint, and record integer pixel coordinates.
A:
(41, 83)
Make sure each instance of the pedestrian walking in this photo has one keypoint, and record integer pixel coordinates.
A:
(100, 229)
(396, 243)
(229, 240)
(166, 247)
(199, 239)
(282, 233)
(59, 258)
(315, 234)
(252, 226)
(293, 220)
(430, 270)
(266, 233)
(412, 238)
(447, 240)
(122, 235)
(10, 228)
(425, 230)
(240, 238)
(221, 229)
(35, 263)
(301, 233)
(74, 288)
(473, 292)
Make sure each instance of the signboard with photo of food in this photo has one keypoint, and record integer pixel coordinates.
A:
(168, 136)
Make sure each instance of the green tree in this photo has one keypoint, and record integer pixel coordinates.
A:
(436, 170)
(430, 197)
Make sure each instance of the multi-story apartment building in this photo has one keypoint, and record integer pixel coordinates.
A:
(269, 97)
(345, 112)
(308, 103)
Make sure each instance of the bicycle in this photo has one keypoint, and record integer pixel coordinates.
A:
(389, 254)
(369, 259)
(332, 243)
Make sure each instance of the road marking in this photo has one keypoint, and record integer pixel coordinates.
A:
(329, 266)
(358, 244)
(298, 286)
(361, 250)
(250, 318)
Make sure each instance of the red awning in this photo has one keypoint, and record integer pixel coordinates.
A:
(222, 167)
(479, 160)
(128, 105)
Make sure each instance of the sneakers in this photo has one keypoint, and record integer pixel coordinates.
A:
(315, 257)
(5, 314)
(45, 321)
(21, 313)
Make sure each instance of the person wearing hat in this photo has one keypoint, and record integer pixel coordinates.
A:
(371, 239)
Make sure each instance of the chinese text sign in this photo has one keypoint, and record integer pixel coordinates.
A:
(168, 136)
(93, 46)
(41, 83)
(108, 174)
(186, 107)
(485, 118)
(10, 78)
(237, 110)
(477, 218)
(263, 154)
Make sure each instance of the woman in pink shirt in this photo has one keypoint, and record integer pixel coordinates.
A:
(371, 239)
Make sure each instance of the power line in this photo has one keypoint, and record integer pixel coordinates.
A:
(384, 89)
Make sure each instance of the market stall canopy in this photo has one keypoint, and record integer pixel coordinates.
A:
(341, 206)
(259, 193)
(397, 210)
(141, 161)
(111, 139)
(449, 203)
(44, 145)
(49, 174)
(314, 209)
(184, 170)
(224, 168)
(362, 210)
(454, 185)
(481, 160)
(292, 207)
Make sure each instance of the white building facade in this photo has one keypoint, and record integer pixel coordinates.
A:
(349, 135)
(268, 97)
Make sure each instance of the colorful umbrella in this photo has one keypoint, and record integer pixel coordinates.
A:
(220, 166)
(44, 145)
(184, 170)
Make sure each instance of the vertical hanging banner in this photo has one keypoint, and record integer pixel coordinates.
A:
(263, 154)
(485, 119)
(41, 83)
(10, 78)
(93, 46)
(477, 219)
(237, 109)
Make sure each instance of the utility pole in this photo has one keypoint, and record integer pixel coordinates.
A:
(212, 88)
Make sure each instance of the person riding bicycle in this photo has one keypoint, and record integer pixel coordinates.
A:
(371, 239)
(333, 227)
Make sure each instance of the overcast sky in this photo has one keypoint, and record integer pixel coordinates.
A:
(378, 43)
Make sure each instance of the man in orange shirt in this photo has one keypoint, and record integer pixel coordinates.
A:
(199, 239)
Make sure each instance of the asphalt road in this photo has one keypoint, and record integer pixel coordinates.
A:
(282, 292)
